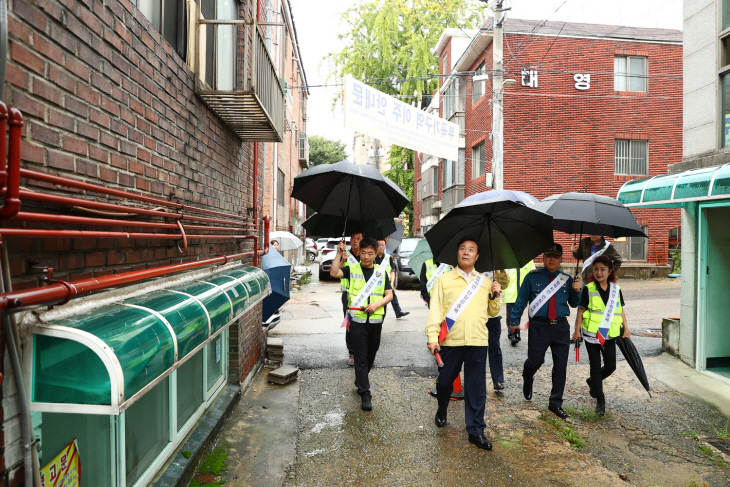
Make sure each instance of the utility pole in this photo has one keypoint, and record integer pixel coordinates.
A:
(497, 99)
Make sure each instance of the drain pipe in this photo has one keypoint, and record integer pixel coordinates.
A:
(3, 45)
(30, 454)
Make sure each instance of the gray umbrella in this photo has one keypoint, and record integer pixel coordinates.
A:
(590, 214)
(396, 237)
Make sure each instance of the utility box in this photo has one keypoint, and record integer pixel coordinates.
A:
(670, 335)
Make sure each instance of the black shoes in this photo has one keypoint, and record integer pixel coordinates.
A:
(440, 420)
(527, 388)
(480, 441)
(367, 402)
(591, 391)
(402, 314)
(517, 335)
(601, 406)
(513, 341)
(498, 386)
(559, 412)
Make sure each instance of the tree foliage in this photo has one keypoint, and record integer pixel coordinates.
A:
(392, 40)
(401, 173)
(388, 44)
(325, 151)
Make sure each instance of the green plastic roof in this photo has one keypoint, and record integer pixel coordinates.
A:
(673, 190)
(103, 358)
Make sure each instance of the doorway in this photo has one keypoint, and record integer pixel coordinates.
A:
(714, 284)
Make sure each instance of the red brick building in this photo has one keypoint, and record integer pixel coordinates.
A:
(144, 123)
(592, 106)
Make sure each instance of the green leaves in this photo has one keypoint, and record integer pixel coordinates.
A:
(325, 151)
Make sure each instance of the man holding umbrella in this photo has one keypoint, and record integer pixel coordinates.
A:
(462, 300)
(368, 291)
(596, 245)
(549, 293)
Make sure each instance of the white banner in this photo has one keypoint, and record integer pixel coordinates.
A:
(378, 115)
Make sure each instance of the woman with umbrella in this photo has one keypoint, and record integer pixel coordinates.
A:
(599, 321)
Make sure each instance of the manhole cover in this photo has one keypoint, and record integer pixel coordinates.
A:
(722, 445)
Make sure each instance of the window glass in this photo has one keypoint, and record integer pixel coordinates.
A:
(171, 21)
(637, 68)
(151, 10)
(460, 168)
(435, 180)
(619, 71)
(280, 188)
(725, 122)
(631, 157)
(226, 38)
(147, 429)
(216, 356)
(725, 14)
(189, 388)
(477, 161)
(478, 87)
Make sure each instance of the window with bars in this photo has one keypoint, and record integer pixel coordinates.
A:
(478, 87)
(453, 171)
(477, 161)
(630, 73)
(631, 157)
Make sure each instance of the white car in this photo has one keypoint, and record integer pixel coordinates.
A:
(328, 255)
(311, 248)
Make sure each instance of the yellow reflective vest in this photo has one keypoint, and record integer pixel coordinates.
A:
(594, 314)
(357, 282)
(513, 288)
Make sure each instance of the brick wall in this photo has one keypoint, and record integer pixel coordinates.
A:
(559, 139)
(108, 101)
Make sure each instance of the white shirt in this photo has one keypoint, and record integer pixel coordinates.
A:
(465, 275)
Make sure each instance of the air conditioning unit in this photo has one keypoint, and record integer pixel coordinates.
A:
(381, 152)
(371, 153)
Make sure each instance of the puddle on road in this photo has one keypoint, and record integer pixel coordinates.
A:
(333, 418)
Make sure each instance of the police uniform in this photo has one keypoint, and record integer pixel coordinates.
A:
(549, 327)
(365, 329)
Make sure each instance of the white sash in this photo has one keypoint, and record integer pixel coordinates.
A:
(610, 310)
(547, 293)
(589, 260)
(351, 260)
(463, 300)
(365, 292)
(441, 269)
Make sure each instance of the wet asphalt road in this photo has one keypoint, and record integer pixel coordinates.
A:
(314, 339)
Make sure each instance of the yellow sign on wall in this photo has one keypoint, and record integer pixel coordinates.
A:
(64, 470)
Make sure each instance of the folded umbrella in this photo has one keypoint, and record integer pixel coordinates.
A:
(396, 237)
(509, 234)
(350, 190)
(279, 271)
(633, 359)
(420, 255)
(287, 240)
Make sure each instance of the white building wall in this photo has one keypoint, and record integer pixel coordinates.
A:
(701, 83)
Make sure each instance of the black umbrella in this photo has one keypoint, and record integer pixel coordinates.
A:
(633, 359)
(350, 190)
(335, 226)
(592, 214)
(509, 234)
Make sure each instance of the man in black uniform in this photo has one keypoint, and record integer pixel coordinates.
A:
(549, 293)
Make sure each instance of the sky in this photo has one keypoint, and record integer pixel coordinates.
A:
(318, 23)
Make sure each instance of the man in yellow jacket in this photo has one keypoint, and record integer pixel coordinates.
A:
(460, 307)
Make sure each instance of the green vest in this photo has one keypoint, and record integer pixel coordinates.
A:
(343, 282)
(513, 288)
(357, 282)
(431, 269)
(594, 314)
(385, 263)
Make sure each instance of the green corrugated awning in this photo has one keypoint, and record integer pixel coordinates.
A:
(674, 190)
(101, 361)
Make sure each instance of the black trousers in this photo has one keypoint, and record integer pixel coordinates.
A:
(365, 339)
(348, 338)
(542, 335)
(496, 370)
(599, 373)
(474, 360)
(394, 303)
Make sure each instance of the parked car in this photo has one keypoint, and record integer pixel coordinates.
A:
(311, 248)
(328, 253)
(404, 274)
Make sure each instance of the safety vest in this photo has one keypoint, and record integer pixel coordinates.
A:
(357, 282)
(431, 269)
(343, 282)
(385, 264)
(594, 314)
(513, 288)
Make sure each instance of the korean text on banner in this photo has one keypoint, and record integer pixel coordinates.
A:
(378, 115)
(64, 470)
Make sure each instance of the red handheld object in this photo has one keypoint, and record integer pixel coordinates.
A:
(438, 360)
(357, 309)
(577, 351)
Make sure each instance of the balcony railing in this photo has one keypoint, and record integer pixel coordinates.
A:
(237, 79)
(303, 149)
(430, 205)
(452, 196)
